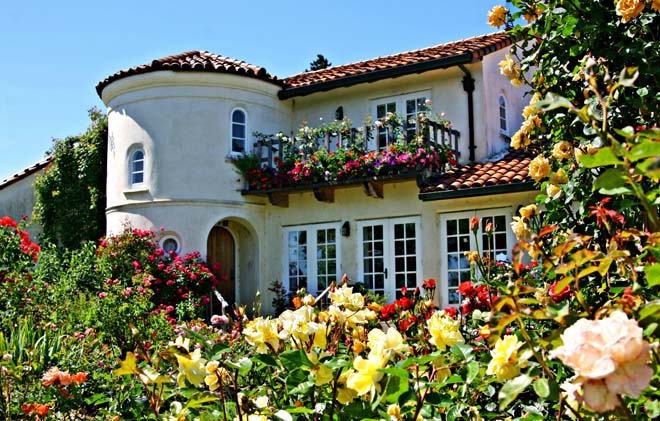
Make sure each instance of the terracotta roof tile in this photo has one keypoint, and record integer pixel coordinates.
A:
(196, 61)
(439, 56)
(510, 169)
(475, 47)
(26, 172)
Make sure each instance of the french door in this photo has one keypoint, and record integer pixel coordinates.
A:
(389, 257)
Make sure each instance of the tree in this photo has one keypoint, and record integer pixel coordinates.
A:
(319, 64)
(71, 194)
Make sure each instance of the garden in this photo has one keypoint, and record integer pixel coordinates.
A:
(119, 329)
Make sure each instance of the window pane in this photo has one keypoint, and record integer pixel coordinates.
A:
(238, 130)
(237, 145)
(238, 116)
(138, 178)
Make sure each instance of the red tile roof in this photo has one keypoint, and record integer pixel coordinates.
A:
(439, 56)
(25, 172)
(510, 171)
(194, 61)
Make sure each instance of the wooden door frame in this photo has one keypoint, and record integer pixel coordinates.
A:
(237, 269)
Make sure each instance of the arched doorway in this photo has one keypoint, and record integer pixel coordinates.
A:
(221, 249)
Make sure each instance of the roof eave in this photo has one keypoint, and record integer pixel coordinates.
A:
(441, 63)
(478, 191)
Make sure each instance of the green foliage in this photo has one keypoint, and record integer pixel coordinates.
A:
(71, 193)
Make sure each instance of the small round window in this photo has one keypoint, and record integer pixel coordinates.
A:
(170, 244)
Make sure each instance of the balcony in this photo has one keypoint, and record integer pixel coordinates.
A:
(338, 155)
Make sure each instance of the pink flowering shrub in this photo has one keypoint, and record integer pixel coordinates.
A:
(178, 285)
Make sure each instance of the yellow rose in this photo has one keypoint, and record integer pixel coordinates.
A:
(511, 70)
(559, 177)
(394, 411)
(539, 168)
(629, 9)
(529, 111)
(553, 191)
(366, 378)
(516, 140)
(562, 150)
(520, 229)
(528, 211)
(497, 16)
(444, 330)
(504, 364)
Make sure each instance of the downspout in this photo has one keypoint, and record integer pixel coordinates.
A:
(468, 87)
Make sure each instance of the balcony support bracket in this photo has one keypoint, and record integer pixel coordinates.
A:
(279, 199)
(373, 189)
(324, 194)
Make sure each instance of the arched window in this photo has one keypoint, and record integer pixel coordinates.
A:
(238, 131)
(136, 168)
(503, 125)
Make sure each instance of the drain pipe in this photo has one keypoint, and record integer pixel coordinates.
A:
(468, 87)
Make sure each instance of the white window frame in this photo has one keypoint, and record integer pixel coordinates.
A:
(171, 237)
(400, 105)
(507, 212)
(388, 251)
(246, 148)
(312, 253)
(502, 99)
(131, 170)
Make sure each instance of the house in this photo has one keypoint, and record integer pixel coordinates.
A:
(17, 197)
(178, 124)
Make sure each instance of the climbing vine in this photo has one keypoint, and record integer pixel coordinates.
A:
(71, 193)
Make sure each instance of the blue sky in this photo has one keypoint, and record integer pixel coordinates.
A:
(53, 53)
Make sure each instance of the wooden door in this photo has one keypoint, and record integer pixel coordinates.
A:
(221, 250)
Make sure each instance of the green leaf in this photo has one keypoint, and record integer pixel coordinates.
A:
(651, 308)
(397, 383)
(653, 274)
(463, 351)
(602, 158)
(512, 389)
(542, 388)
(646, 149)
(295, 359)
(472, 371)
(553, 101)
(266, 359)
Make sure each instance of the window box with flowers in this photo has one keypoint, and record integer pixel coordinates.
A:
(338, 154)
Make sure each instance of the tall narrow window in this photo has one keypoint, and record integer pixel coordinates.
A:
(137, 168)
(503, 126)
(238, 131)
(312, 259)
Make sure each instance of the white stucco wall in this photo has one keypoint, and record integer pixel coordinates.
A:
(18, 199)
(182, 122)
(495, 84)
(353, 205)
(447, 94)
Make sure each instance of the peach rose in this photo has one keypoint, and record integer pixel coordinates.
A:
(539, 168)
(609, 357)
(629, 9)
